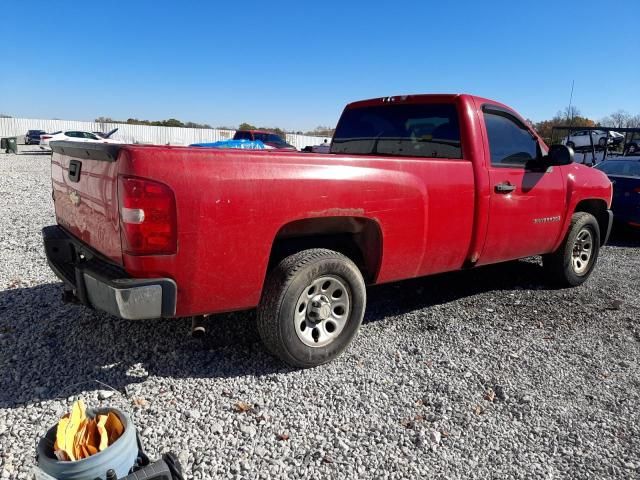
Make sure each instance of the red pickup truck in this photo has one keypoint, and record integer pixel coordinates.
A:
(414, 185)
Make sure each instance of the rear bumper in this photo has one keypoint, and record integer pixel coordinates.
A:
(104, 286)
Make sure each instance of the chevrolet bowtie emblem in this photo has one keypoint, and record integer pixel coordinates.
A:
(74, 197)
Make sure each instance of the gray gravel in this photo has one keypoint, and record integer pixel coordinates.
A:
(480, 374)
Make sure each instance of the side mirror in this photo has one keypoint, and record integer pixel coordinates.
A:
(559, 155)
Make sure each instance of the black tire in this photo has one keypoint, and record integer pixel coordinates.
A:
(602, 142)
(562, 265)
(632, 148)
(571, 145)
(281, 299)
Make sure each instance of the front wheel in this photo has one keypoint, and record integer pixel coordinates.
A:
(574, 261)
(311, 308)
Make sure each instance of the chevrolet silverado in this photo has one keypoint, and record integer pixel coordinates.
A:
(413, 185)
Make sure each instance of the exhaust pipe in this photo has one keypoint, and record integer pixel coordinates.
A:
(198, 329)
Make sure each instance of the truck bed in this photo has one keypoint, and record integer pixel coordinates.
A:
(231, 205)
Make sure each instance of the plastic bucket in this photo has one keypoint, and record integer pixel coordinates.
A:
(120, 456)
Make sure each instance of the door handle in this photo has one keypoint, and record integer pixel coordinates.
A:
(505, 187)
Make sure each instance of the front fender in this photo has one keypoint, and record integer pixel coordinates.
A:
(583, 184)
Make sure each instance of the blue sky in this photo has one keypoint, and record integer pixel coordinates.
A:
(295, 65)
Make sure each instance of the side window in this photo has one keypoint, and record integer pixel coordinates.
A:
(90, 136)
(73, 134)
(510, 143)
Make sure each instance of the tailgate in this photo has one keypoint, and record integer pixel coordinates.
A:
(84, 178)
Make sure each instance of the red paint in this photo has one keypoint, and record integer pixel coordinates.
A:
(95, 219)
(434, 215)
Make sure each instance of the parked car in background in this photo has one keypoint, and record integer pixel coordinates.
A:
(45, 137)
(33, 137)
(270, 140)
(624, 174)
(75, 136)
(413, 185)
(616, 137)
(580, 139)
(322, 148)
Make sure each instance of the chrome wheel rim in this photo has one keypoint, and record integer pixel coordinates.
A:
(322, 311)
(582, 251)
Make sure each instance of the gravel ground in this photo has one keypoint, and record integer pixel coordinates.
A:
(480, 374)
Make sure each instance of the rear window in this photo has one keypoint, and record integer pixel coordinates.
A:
(242, 136)
(411, 130)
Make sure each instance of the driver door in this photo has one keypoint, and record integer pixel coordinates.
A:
(526, 207)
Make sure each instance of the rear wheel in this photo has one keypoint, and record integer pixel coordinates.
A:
(574, 261)
(632, 148)
(571, 145)
(602, 142)
(312, 307)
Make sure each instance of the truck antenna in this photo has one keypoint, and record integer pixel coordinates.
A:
(569, 112)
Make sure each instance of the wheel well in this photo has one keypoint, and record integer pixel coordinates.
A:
(358, 238)
(597, 208)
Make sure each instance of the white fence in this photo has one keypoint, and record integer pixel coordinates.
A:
(17, 127)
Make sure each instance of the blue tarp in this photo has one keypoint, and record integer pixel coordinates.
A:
(244, 144)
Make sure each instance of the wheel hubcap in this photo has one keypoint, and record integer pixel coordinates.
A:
(582, 251)
(322, 311)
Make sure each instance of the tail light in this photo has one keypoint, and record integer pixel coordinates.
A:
(637, 190)
(45, 137)
(147, 217)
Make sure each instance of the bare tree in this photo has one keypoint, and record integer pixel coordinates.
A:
(605, 122)
(569, 113)
(619, 118)
(634, 122)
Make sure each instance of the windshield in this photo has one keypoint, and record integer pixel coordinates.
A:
(410, 130)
